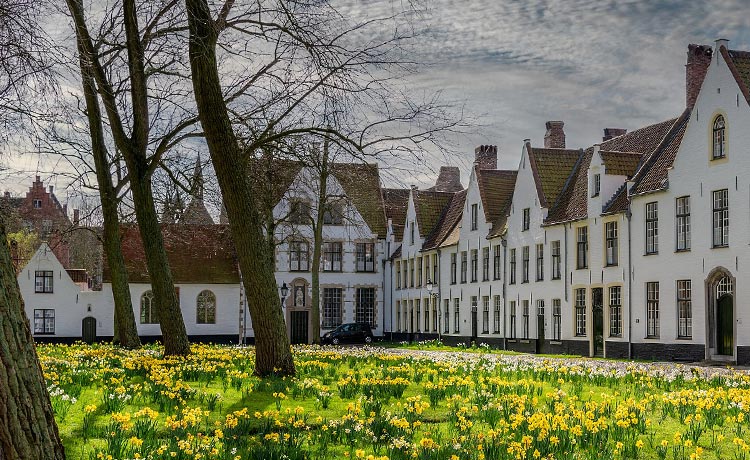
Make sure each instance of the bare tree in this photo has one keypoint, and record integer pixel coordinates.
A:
(27, 423)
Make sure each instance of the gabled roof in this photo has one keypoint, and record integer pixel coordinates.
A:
(652, 175)
(495, 188)
(619, 201)
(198, 254)
(551, 169)
(620, 163)
(643, 140)
(449, 220)
(429, 206)
(361, 183)
(396, 202)
(739, 65)
(573, 201)
(271, 178)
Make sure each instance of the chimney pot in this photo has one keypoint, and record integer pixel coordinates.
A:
(485, 157)
(698, 60)
(554, 138)
(609, 133)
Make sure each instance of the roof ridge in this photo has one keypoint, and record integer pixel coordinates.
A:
(735, 72)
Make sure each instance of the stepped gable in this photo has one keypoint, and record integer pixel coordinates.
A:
(197, 254)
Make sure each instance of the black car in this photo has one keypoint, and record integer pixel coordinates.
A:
(349, 333)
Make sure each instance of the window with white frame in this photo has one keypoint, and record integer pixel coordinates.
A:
(684, 309)
(615, 311)
(43, 281)
(148, 308)
(486, 314)
(682, 211)
(596, 185)
(405, 265)
(486, 264)
(721, 218)
(299, 256)
(435, 314)
(398, 316)
(453, 267)
(44, 321)
(206, 307)
(411, 233)
(435, 275)
(526, 219)
(332, 311)
(411, 272)
(512, 325)
(365, 257)
(719, 139)
(446, 316)
(426, 303)
(556, 319)
(611, 243)
(418, 314)
(525, 305)
(299, 211)
(456, 316)
(474, 217)
(407, 324)
(419, 271)
(497, 266)
(556, 263)
(582, 246)
(332, 256)
(525, 264)
(512, 266)
(464, 265)
(474, 265)
(652, 228)
(496, 314)
(652, 309)
(540, 313)
(37, 204)
(365, 306)
(540, 262)
(580, 312)
(398, 274)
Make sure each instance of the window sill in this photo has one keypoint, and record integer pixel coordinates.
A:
(684, 338)
(44, 333)
(651, 253)
(619, 336)
(43, 292)
(651, 337)
(582, 268)
(611, 265)
(682, 250)
(723, 246)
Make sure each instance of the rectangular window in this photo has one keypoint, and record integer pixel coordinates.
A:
(411, 272)
(333, 214)
(556, 319)
(525, 304)
(539, 262)
(596, 185)
(540, 314)
(456, 316)
(43, 280)
(474, 217)
(365, 257)
(721, 218)
(299, 256)
(405, 264)
(684, 309)
(496, 313)
(418, 314)
(513, 266)
(652, 228)
(486, 315)
(512, 325)
(582, 253)
(446, 316)
(419, 271)
(581, 312)
(37, 204)
(426, 304)
(44, 321)
(474, 265)
(411, 233)
(299, 211)
(526, 219)
(497, 267)
(464, 263)
(525, 264)
(332, 307)
(682, 210)
(398, 316)
(398, 274)
(435, 278)
(435, 315)
(453, 268)
(615, 311)
(556, 269)
(332, 256)
(652, 309)
(486, 264)
(407, 324)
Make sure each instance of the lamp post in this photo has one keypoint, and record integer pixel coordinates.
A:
(435, 295)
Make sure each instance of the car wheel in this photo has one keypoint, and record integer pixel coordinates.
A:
(335, 341)
(368, 339)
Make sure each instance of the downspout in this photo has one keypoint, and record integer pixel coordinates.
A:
(505, 280)
(565, 284)
(628, 215)
(439, 299)
(390, 284)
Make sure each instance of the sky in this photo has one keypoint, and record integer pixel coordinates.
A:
(513, 65)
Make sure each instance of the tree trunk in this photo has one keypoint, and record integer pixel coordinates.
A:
(272, 351)
(126, 332)
(27, 424)
(318, 245)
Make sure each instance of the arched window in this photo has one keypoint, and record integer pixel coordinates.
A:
(148, 309)
(206, 308)
(719, 138)
(723, 287)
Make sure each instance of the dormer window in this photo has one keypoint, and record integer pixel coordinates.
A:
(526, 218)
(596, 185)
(474, 217)
(299, 211)
(719, 138)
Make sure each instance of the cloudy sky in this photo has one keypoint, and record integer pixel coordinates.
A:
(516, 64)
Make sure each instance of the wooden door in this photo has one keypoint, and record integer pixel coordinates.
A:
(299, 332)
(725, 326)
(88, 329)
(598, 318)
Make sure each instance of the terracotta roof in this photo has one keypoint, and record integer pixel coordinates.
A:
(573, 201)
(198, 254)
(361, 182)
(619, 201)
(429, 206)
(495, 189)
(620, 163)
(643, 140)
(652, 175)
(739, 65)
(196, 214)
(449, 220)
(271, 178)
(551, 169)
(397, 253)
(452, 238)
(396, 202)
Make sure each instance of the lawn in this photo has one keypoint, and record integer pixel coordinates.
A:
(394, 403)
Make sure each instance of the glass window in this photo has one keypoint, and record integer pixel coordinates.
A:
(486, 315)
(474, 265)
(446, 316)
(610, 234)
(474, 217)
(582, 255)
(398, 315)
(652, 309)
(206, 307)
(513, 266)
(365, 306)
(497, 262)
(512, 326)
(526, 218)
(148, 308)
(721, 218)
(299, 211)
(596, 185)
(333, 214)
(398, 274)
(365, 257)
(555, 250)
(37, 204)
(418, 313)
(43, 280)
(682, 208)
(684, 309)
(464, 263)
(540, 313)
(719, 138)
(456, 316)
(332, 311)
(539, 262)
(525, 265)
(556, 319)
(652, 228)
(486, 264)
(419, 271)
(44, 321)
(299, 256)
(581, 312)
(615, 311)
(453, 268)
(525, 304)
(426, 304)
(496, 313)
(435, 314)
(332, 256)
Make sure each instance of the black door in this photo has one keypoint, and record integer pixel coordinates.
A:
(597, 309)
(299, 327)
(724, 326)
(88, 329)
(539, 332)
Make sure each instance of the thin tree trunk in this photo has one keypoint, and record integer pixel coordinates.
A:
(318, 245)
(126, 332)
(272, 351)
(27, 424)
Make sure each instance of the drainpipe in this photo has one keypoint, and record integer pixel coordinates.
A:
(628, 215)
(505, 280)
(565, 265)
(387, 260)
(439, 300)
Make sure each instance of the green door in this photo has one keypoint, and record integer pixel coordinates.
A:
(724, 326)
(88, 329)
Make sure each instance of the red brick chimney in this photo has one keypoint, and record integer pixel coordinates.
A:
(698, 60)
(449, 180)
(609, 133)
(485, 157)
(554, 138)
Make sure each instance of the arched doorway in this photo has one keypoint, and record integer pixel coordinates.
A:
(88, 329)
(720, 297)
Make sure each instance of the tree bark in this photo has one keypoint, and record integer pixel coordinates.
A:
(318, 244)
(27, 424)
(272, 351)
(126, 331)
